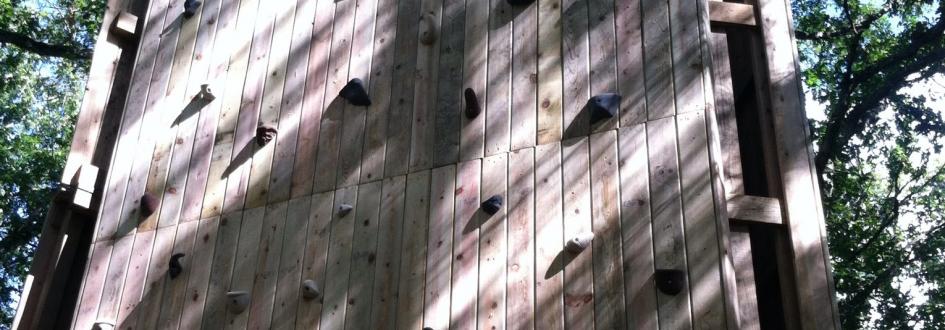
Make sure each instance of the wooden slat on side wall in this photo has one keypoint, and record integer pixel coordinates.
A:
(224, 257)
(499, 75)
(244, 266)
(92, 285)
(316, 254)
(288, 286)
(175, 289)
(637, 228)
(436, 309)
(521, 247)
(687, 56)
(549, 72)
(135, 279)
(150, 306)
(115, 277)
(363, 256)
(267, 266)
(352, 131)
(602, 43)
(450, 87)
(609, 305)
(201, 260)
(630, 82)
(382, 69)
(425, 90)
(549, 238)
(574, 49)
(466, 246)
(387, 267)
(493, 237)
(338, 266)
(657, 59)
(725, 114)
(668, 232)
(415, 209)
(578, 269)
(475, 52)
(405, 63)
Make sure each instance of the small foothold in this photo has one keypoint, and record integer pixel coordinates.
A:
(427, 29)
(579, 243)
(472, 104)
(103, 325)
(520, 2)
(265, 134)
(206, 93)
(492, 205)
(427, 328)
(149, 205)
(344, 209)
(355, 93)
(310, 290)
(603, 106)
(237, 301)
(670, 281)
(174, 267)
(190, 8)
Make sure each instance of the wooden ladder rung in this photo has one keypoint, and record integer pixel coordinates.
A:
(755, 208)
(732, 13)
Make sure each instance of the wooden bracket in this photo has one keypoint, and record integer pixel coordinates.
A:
(124, 26)
(755, 208)
(83, 186)
(732, 13)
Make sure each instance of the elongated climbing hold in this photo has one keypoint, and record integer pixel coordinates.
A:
(265, 134)
(355, 93)
(149, 205)
(190, 8)
(310, 290)
(492, 205)
(344, 209)
(174, 268)
(237, 301)
(580, 242)
(206, 93)
(472, 103)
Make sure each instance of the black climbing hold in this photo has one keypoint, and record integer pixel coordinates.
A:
(427, 29)
(580, 242)
(472, 104)
(149, 205)
(190, 8)
(603, 106)
(206, 93)
(520, 2)
(344, 209)
(265, 134)
(355, 93)
(670, 281)
(492, 205)
(174, 267)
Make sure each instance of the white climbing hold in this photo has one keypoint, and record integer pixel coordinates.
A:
(310, 290)
(344, 209)
(103, 325)
(579, 243)
(238, 301)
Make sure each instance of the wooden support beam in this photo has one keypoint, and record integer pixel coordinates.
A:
(83, 185)
(755, 208)
(124, 26)
(732, 13)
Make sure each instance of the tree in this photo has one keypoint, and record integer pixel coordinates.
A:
(45, 50)
(879, 153)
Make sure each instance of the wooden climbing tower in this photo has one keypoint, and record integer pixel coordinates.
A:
(549, 164)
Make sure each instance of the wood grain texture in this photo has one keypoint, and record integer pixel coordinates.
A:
(425, 91)
(521, 271)
(397, 158)
(524, 88)
(135, 279)
(436, 302)
(382, 69)
(602, 55)
(335, 284)
(449, 100)
(475, 66)
(550, 84)
(549, 238)
(363, 256)
(630, 73)
(224, 258)
(575, 67)
(609, 304)
(352, 132)
(195, 296)
(175, 289)
(493, 240)
(657, 59)
(497, 98)
(148, 310)
(244, 266)
(289, 282)
(466, 217)
(316, 256)
(392, 234)
(578, 268)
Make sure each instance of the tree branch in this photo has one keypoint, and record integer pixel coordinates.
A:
(40, 48)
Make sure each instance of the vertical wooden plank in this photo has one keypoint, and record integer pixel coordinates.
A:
(466, 220)
(602, 43)
(499, 75)
(687, 56)
(668, 232)
(135, 279)
(740, 239)
(244, 268)
(288, 287)
(436, 302)
(657, 59)
(382, 69)
(175, 289)
(267, 266)
(475, 54)
(149, 308)
(329, 138)
(702, 243)
(524, 77)
(521, 226)
(449, 100)
(227, 155)
(549, 238)
(316, 254)
(224, 258)
(578, 269)
(303, 173)
(287, 141)
(352, 132)
(413, 252)
(636, 226)
(404, 74)
(335, 295)
(91, 293)
(630, 62)
(725, 114)
(363, 256)
(387, 275)
(198, 282)
(493, 237)
(425, 91)
(115, 278)
(550, 85)
(574, 49)
(609, 307)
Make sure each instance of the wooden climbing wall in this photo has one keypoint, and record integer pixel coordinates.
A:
(416, 251)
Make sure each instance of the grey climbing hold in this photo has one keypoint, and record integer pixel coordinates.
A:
(580, 242)
(670, 281)
(206, 93)
(310, 290)
(492, 205)
(355, 93)
(237, 301)
(265, 134)
(174, 268)
(344, 209)
(190, 8)
(149, 205)
(472, 104)
(428, 29)
(603, 106)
